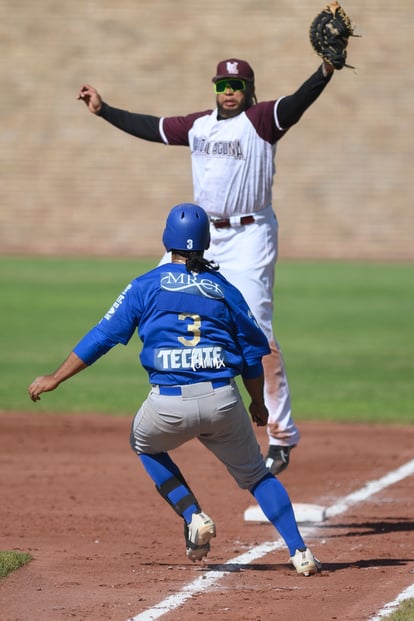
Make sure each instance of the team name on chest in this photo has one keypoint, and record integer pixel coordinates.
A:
(217, 148)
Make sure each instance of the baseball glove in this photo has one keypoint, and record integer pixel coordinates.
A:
(329, 34)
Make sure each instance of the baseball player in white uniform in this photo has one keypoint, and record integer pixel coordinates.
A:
(233, 149)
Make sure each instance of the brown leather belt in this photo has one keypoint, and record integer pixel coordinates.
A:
(222, 223)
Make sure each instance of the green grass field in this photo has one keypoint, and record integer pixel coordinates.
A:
(345, 330)
(11, 561)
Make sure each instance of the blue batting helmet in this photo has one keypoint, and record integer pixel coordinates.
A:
(187, 228)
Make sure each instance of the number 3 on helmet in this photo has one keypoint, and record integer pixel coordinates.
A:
(187, 228)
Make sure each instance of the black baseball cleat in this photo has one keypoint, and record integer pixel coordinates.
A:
(277, 458)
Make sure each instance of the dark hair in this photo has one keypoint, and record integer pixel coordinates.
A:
(250, 97)
(195, 262)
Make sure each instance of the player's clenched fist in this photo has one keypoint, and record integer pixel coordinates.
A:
(44, 383)
(91, 97)
(259, 414)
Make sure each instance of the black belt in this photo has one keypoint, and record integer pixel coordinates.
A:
(175, 391)
(222, 223)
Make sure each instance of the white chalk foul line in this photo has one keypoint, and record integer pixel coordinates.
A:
(392, 606)
(205, 581)
(208, 579)
(369, 489)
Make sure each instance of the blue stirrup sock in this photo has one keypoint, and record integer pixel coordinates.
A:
(171, 484)
(275, 503)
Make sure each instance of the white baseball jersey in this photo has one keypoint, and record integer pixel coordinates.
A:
(233, 160)
(233, 166)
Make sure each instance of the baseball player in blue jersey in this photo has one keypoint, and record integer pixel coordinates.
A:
(233, 149)
(197, 335)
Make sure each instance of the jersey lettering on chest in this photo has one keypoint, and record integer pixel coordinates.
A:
(217, 148)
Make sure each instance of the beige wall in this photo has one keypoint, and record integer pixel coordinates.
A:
(70, 183)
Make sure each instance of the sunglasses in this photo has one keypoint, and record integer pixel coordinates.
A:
(233, 84)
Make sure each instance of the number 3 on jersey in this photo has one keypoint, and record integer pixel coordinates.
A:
(194, 328)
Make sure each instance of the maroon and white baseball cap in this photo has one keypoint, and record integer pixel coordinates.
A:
(234, 68)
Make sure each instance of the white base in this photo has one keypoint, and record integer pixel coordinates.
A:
(304, 513)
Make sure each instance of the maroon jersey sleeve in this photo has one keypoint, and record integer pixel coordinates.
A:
(176, 128)
(262, 117)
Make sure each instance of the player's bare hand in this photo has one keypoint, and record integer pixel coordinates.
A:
(44, 383)
(259, 413)
(277, 433)
(91, 97)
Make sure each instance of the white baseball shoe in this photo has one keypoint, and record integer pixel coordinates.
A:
(305, 563)
(197, 536)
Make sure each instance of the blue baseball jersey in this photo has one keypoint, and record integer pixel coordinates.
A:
(193, 327)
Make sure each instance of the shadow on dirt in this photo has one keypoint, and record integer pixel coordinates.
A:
(368, 563)
(234, 568)
(359, 564)
(360, 529)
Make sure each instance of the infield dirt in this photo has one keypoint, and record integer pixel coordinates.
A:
(106, 547)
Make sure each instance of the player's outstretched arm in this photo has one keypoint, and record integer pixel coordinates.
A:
(46, 383)
(91, 97)
(145, 126)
